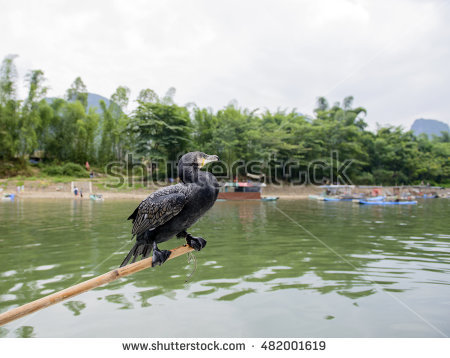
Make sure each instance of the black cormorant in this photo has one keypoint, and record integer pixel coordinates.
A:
(171, 210)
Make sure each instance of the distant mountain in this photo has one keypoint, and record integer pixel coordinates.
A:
(93, 101)
(429, 127)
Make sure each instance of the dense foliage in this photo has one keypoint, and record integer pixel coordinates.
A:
(63, 131)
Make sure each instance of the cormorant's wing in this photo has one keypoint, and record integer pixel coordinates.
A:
(158, 208)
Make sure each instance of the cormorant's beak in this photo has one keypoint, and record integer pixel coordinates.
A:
(209, 159)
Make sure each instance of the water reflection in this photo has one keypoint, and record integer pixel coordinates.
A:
(75, 306)
(252, 251)
(25, 332)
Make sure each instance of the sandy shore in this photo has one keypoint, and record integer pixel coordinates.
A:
(43, 190)
(138, 195)
(117, 196)
(55, 195)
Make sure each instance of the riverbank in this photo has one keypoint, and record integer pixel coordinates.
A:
(140, 194)
(46, 189)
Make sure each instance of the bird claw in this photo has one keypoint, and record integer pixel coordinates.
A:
(197, 243)
(159, 257)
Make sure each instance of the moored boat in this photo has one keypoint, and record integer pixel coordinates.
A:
(375, 198)
(430, 196)
(329, 198)
(339, 193)
(241, 191)
(316, 197)
(411, 202)
(96, 197)
(8, 197)
(269, 198)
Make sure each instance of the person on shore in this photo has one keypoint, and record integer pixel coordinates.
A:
(75, 191)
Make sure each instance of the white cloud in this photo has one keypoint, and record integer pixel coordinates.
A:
(391, 56)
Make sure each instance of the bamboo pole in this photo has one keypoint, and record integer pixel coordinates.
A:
(72, 291)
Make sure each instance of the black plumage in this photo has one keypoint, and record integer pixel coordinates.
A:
(170, 211)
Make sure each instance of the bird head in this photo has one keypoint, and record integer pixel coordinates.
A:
(190, 163)
(197, 159)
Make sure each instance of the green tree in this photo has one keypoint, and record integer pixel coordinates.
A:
(8, 78)
(78, 92)
(161, 131)
(36, 88)
(9, 129)
(107, 144)
(114, 141)
(9, 110)
(86, 126)
(147, 96)
(121, 97)
(33, 118)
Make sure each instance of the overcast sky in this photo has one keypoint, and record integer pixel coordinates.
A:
(392, 56)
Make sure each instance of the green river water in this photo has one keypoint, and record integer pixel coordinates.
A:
(291, 268)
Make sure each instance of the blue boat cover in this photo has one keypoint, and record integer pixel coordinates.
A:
(387, 202)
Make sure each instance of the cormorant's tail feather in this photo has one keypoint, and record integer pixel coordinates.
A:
(133, 216)
(139, 248)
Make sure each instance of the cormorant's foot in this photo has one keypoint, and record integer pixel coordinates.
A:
(182, 234)
(197, 243)
(159, 257)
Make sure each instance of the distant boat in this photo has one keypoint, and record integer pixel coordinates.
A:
(316, 197)
(329, 198)
(333, 198)
(8, 197)
(338, 193)
(375, 198)
(96, 197)
(430, 196)
(241, 191)
(269, 198)
(363, 202)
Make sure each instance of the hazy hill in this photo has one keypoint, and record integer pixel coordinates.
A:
(93, 101)
(429, 127)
